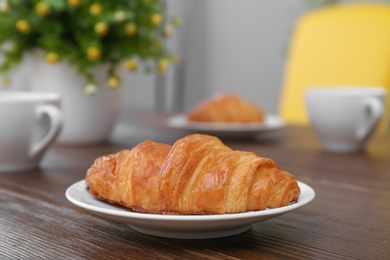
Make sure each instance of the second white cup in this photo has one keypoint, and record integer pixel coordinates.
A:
(344, 118)
(30, 122)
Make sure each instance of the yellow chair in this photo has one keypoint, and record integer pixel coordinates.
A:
(333, 46)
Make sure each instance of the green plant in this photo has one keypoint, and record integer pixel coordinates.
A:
(87, 33)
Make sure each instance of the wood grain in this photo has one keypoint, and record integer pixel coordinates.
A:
(348, 219)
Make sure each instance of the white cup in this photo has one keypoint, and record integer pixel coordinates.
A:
(344, 118)
(29, 123)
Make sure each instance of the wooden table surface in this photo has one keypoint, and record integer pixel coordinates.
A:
(348, 219)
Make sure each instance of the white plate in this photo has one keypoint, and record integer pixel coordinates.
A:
(271, 123)
(181, 226)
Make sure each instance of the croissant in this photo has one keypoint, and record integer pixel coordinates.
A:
(130, 177)
(226, 108)
(198, 174)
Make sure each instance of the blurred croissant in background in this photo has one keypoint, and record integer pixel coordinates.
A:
(226, 107)
(197, 175)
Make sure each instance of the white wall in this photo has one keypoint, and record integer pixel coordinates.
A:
(226, 45)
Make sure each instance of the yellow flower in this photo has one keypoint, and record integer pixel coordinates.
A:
(94, 53)
(131, 29)
(23, 26)
(162, 66)
(156, 19)
(158, 43)
(101, 28)
(167, 31)
(114, 82)
(175, 59)
(42, 9)
(176, 21)
(95, 9)
(74, 3)
(6, 81)
(90, 89)
(51, 57)
(132, 64)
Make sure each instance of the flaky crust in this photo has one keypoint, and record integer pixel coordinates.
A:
(226, 108)
(197, 175)
(130, 177)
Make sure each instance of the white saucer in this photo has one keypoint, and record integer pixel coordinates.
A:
(181, 226)
(271, 123)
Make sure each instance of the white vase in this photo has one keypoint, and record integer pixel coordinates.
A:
(88, 119)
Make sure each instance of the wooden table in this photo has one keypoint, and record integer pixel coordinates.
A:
(348, 219)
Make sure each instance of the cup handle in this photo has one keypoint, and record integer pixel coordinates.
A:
(375, 109)
(55, 118)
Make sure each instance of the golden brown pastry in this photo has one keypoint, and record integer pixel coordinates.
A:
(197, 175)
(226, 108)
(130, 178)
